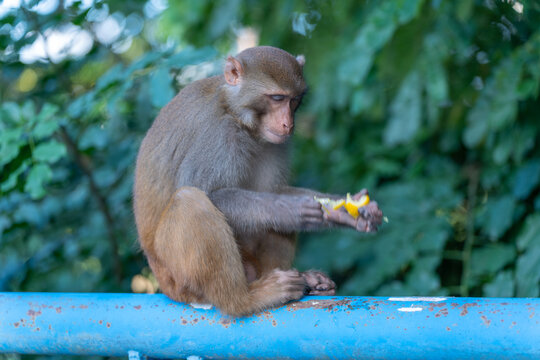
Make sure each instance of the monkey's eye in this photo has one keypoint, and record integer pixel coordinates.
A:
(277, 97)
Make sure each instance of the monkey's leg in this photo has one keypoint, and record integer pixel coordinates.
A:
(277, 251)
(274, 251)
(195, 243)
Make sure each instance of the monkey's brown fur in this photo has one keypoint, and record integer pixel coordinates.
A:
(215, 217)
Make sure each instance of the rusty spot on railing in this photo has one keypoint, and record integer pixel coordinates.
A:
(328, 305)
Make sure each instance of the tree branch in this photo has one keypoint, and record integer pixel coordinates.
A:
(101, 201)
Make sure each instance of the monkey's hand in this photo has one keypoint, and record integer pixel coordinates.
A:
(299, 212)
(369, 219)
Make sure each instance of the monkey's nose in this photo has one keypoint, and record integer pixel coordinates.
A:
(288, 126)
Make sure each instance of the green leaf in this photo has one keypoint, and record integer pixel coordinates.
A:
(502, 286)
(491, 258)
(39, 175)
(94, 136)
(527, 179)
(141, 63)
(394, 288)
(28, 112)
(436, 88)
(503, 150)
(28, 212)
(527, 272)
(530, 233)
(224, 13)
(81, 105)
(161, 91)
(524, 140)
(499, 216)
(190, 56)
(361, 100)
(405, 112)
(10, 112)
(423, 278)
(50, 151)
(463, 9)
(47, 111)
(45, 128)
(10, 144)
(477, 126)
(47, 124)
(5, 223)
(408, 9)
(496, 106)
(114, 75)
(433, 238)
(386, 167)
(12, 179)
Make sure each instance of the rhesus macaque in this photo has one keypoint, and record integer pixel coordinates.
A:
(214, 214)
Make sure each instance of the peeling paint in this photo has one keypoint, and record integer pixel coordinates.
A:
(442, 312)
(201, 306)
(225, 322)
(465, 308)
(329, 305)
(33, 313)
(410, 309)
(417, 298)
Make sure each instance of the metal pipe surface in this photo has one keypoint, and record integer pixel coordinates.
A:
(313, 328)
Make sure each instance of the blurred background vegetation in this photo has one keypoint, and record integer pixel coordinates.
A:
(430, 104)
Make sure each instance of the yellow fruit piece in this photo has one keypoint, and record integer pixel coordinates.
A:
(330, 204)
(336, 204)
(352, 205)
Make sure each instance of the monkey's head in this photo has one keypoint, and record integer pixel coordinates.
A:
(265, 86)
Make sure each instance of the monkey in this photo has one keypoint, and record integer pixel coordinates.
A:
(215, 216)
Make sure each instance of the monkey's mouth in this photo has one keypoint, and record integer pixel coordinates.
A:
(275, 138)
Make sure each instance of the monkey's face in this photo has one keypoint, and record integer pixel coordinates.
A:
(277, 122)
(268, 82)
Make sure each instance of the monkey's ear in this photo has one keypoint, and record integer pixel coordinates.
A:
(233, 71)
(301, 59)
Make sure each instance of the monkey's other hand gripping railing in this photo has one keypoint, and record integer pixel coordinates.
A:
(313, 328)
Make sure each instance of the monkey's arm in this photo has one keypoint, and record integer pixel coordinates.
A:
(368, 221)
(251, 211)
(291, 190)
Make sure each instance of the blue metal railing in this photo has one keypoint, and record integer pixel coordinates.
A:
(314, 328)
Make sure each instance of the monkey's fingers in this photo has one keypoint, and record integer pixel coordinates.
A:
(311, 205)
(330, 292)
(340, 217)
(367, 226)
(312, 213)
(319, 283)
(312, 216)
(359, 194)
(372, 213)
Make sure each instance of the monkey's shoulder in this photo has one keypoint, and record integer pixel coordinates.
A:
(202, 88)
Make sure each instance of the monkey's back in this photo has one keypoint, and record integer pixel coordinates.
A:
(163, 149)
(192, 142)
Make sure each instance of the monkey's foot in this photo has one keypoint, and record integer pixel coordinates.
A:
(279, 287)
(318, 283)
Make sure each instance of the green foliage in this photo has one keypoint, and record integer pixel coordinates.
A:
(431, 105)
